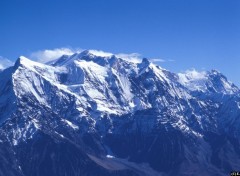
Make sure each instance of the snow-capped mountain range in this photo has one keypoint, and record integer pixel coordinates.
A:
(85, 114)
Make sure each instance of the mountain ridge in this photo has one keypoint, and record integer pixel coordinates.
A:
(97, 106)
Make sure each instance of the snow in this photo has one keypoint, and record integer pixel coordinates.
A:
(110, 156)
(96, 71)
(131, 104)
(59, 134)
(132, 57)
(95, 84)
(48, 72)
(203, 81)
(100, 53)
(125, 84)
(228, 88)
(75, 127)
(193, 80)
(82, 90)
(238, 104)
(106, 89)
(24, 131)
(123, 164)
(105, 107)
(36, 123)
(158, 72)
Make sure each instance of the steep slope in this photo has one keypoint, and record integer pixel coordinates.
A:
(38, 125)
(85, 114)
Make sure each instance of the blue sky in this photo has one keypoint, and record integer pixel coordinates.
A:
(201, 34)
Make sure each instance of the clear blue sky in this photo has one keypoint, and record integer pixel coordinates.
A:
(195, 33)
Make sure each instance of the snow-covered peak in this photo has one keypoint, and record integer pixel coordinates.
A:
(95, 53)
(143, 65)
(193, 79)
(99, 53)
(215, 72)
(87, 55)
(59, 61)
(26, 68)
(193, 75)
(22, 60)
(104, 60)
(100, 57)
(146, 66)
(212, 81)
(220, 83)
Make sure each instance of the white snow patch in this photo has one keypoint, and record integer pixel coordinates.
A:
(124, 84)
(227, 86)
(59, 134)
(95, 71)
(104, 107)
(110, 156)
(131, 104)
(238, 104)
(75, 127)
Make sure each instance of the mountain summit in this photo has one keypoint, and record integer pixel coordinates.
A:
(86, 114)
